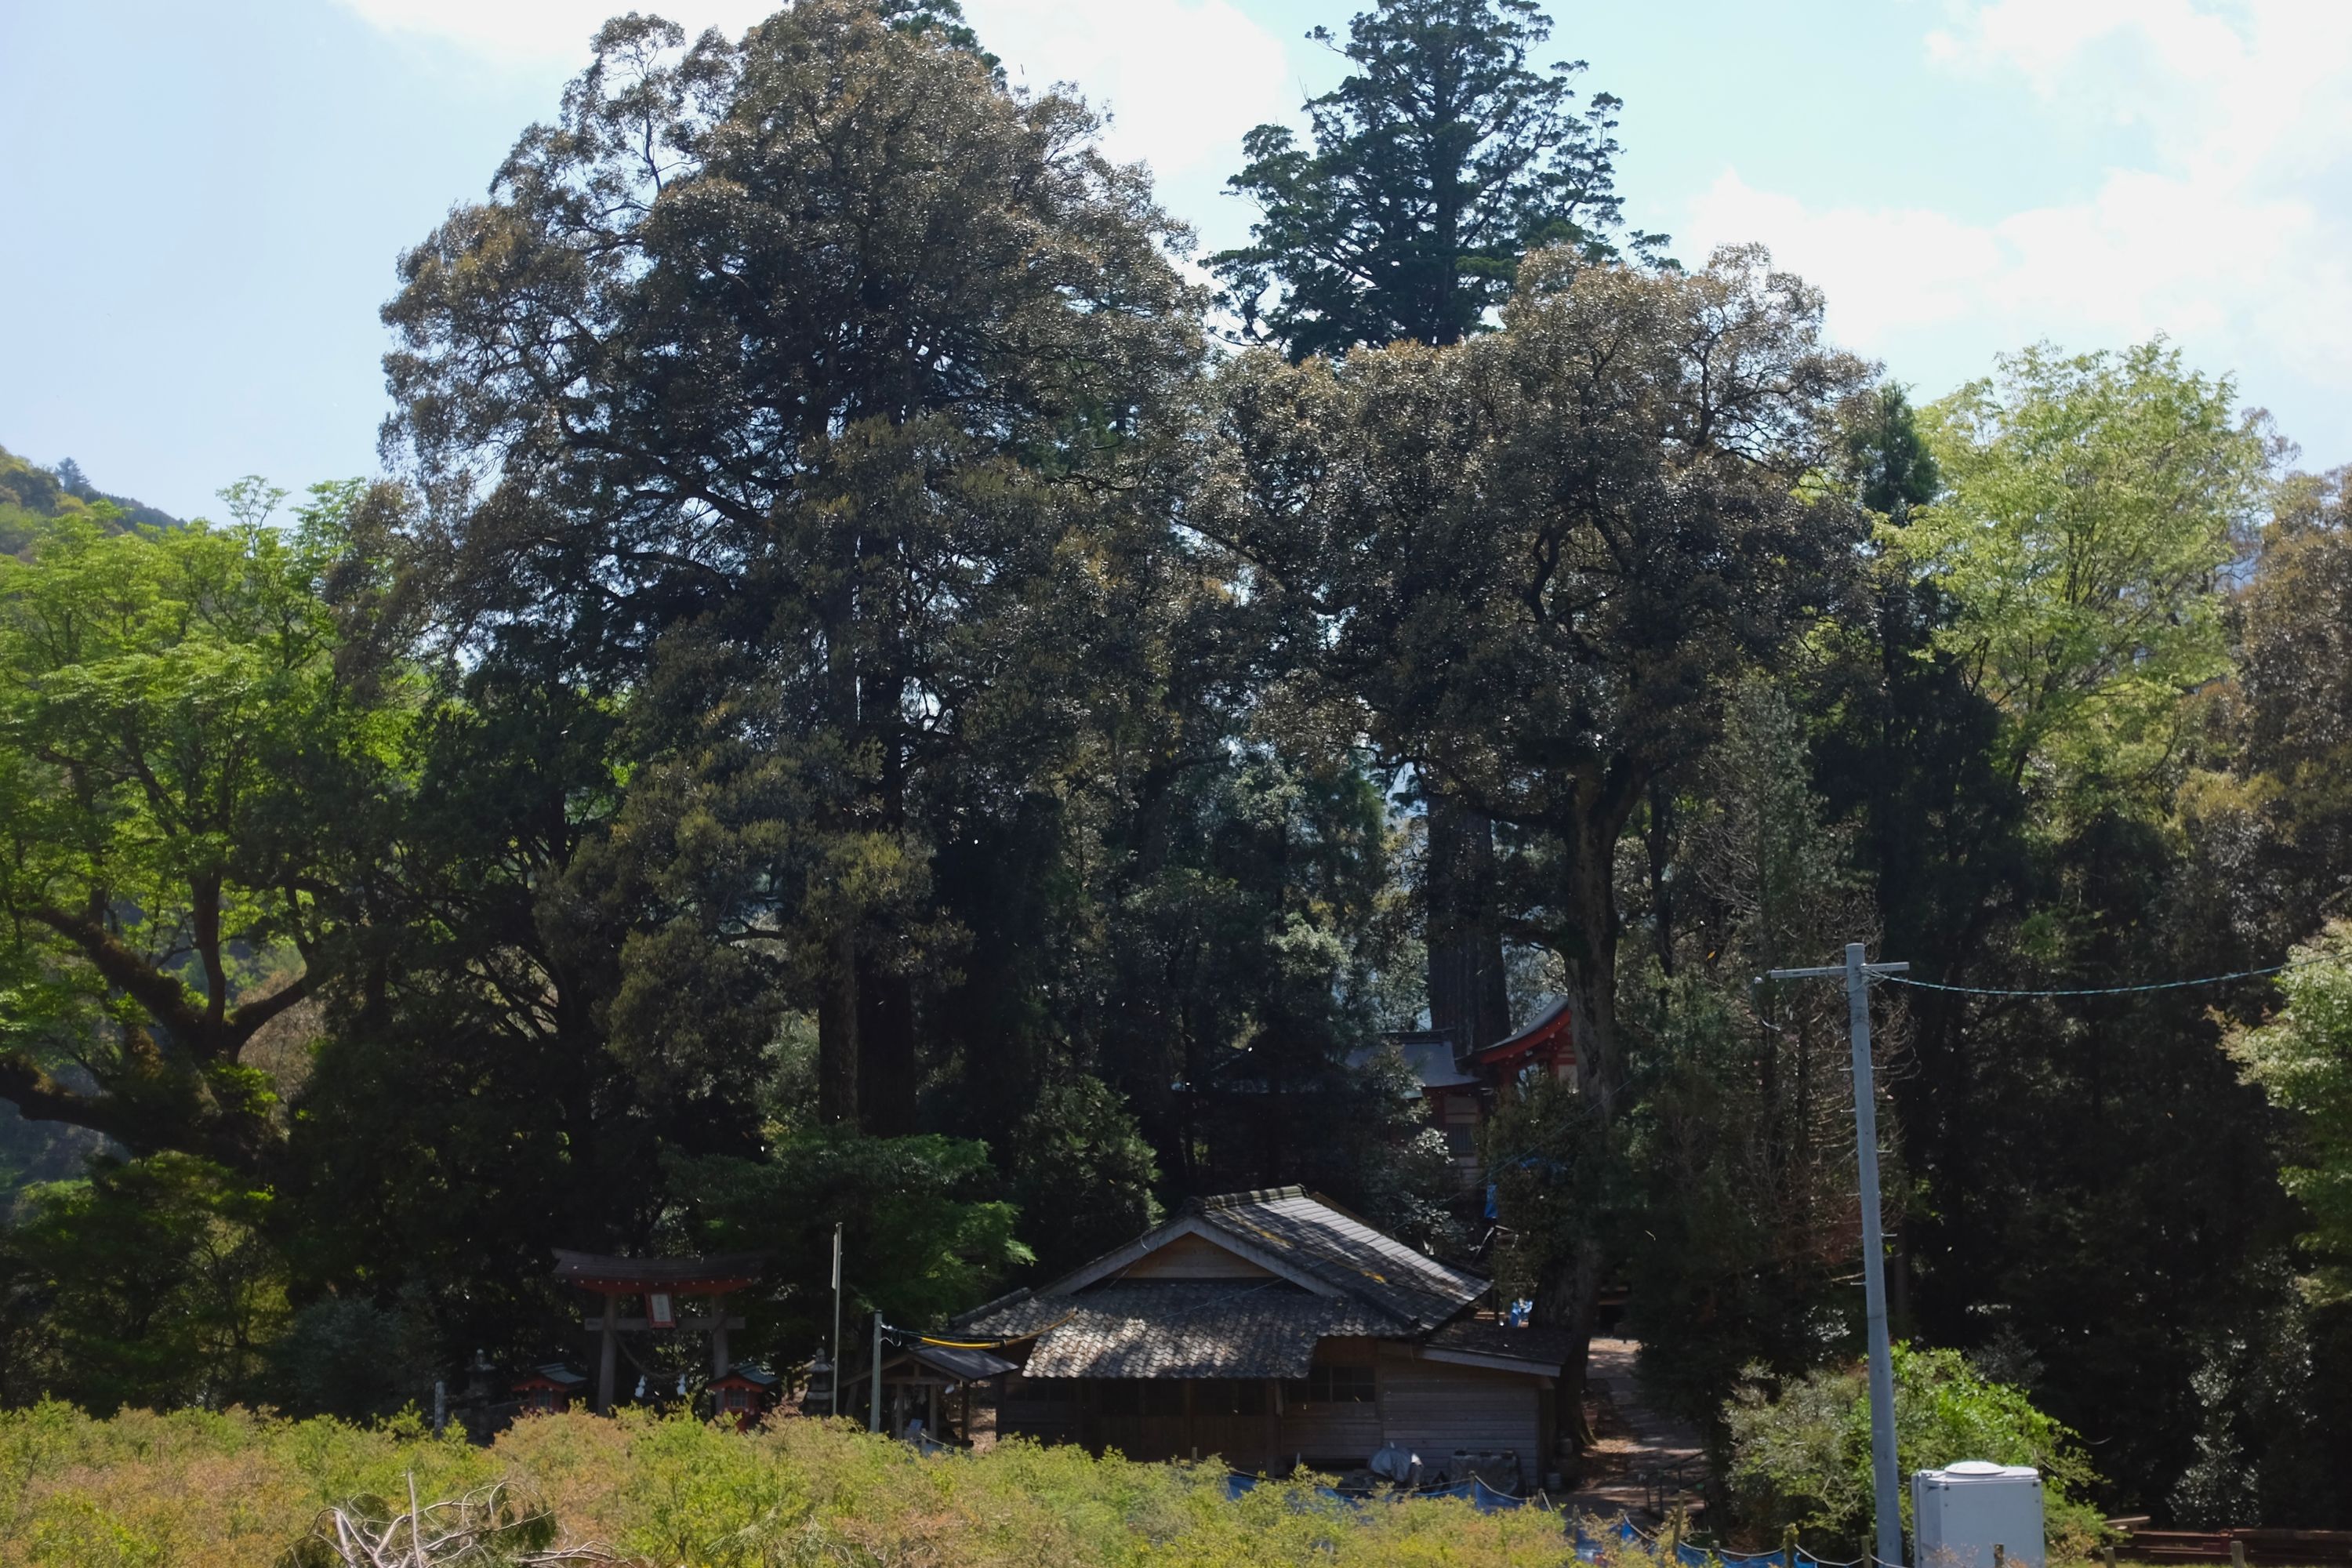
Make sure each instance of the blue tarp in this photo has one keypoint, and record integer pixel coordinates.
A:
(1587, 1547)
(1477, 1493)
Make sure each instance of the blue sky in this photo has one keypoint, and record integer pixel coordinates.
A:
(205, 203)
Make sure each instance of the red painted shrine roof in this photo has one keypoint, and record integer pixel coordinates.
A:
(710, 1276)
(1552, 1034)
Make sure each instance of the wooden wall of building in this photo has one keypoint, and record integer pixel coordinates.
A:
(1436, 1407)
(1193, 1258)
(1430, 1408)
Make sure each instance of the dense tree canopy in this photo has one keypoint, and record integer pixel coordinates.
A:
(848, 712)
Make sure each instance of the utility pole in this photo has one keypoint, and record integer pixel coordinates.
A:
(1857, 974)
(834, 1392)
(874, 1420)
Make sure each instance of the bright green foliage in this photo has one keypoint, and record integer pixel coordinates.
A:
(1800, 1456)
(187, 780)
(198, 1490)
(2091, 504)
(2302, 1057)
(148, 1283)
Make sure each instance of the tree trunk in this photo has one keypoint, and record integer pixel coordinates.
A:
(1569, 1294)
(837, 1039)
(886, 1054)
(1468, 998)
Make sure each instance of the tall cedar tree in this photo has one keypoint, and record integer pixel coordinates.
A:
(816, 354)
(1437, 164)
(1538, 557)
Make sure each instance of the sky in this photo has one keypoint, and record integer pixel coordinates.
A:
(205, 203)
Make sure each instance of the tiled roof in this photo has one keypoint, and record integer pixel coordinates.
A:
(1331, 1246)
(1555, 1022)
(1430, 1059)
(1331, 1275)
(959, 1362)
(1181, 1329)
(1484, 1336)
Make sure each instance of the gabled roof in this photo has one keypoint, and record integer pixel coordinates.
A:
(1221, 1328)
(961, 1362)
(756, 1376)
(1430, 1057)
(1317, 1248)
(1553, 1025)
(1334, 1246)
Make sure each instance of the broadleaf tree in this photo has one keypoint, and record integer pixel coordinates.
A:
(1535, 560)
(1439, 160)
(191, 779)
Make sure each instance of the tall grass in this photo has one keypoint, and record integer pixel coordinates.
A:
(196, 1489)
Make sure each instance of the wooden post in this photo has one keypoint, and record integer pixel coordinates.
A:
(2237, 1552)
(1999, 1556)
(605, 1345)
(1788, 1547)
(2107, 1556)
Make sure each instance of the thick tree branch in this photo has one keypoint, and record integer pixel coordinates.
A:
(166, 1000)
(247, 1020)
(38, 1096)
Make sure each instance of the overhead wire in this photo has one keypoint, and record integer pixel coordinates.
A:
(2091, 990)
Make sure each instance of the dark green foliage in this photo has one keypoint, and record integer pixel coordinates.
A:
(148, 1283)
(1439, 162)
(923, 1240)
(355, 1359)
(1085, 1173)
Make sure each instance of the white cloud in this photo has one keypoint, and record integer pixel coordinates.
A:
(2230, 235)
(1182, 79)
(539, 32)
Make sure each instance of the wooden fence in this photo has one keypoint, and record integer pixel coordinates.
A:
(2279, 1548)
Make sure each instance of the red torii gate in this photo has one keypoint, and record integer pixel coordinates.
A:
(657, 1283)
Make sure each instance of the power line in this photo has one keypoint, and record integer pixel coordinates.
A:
(2098, 990)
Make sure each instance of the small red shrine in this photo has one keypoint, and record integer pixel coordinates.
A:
(658, 1288)
(551, 1388)
(745, 1392)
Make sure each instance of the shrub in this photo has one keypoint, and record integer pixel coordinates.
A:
(197, 1489)
(1800, 1455)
